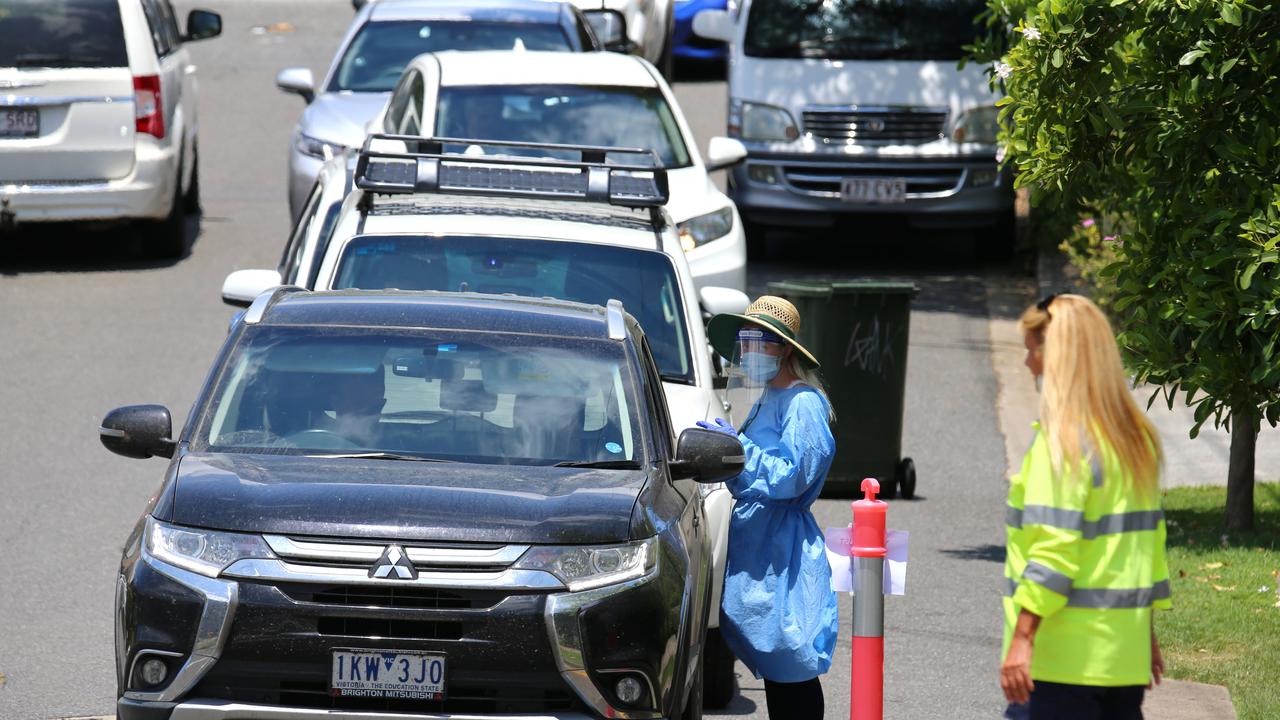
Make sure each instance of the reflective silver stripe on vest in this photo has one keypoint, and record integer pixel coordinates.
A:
(1106, 599)
(1073, 520)
(1052, 579)
(1136, 521)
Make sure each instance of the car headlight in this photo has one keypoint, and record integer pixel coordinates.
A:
(978, 125)
(701, 230)
(207, 552)
(582, 567)
(756, 121)
(317, 148)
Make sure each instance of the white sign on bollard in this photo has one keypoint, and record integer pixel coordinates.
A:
(844, 572)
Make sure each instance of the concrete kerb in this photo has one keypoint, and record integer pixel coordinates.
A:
(1017, 402)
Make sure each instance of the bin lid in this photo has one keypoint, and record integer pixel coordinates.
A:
(826, 288)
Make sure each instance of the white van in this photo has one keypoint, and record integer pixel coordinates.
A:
(854, 106)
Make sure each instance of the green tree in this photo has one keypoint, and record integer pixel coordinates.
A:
(1165, 113)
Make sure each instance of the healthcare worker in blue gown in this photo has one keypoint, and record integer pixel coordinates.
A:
(778, 613)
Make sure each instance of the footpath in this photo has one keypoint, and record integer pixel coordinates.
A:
(1187, 462)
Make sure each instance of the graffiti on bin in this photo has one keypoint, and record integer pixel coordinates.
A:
(871, 348)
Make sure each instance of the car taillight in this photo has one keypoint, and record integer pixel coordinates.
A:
(148, 110)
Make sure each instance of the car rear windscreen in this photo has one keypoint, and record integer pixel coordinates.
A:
(61, 33)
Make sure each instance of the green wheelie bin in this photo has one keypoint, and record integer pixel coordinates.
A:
(858, 330)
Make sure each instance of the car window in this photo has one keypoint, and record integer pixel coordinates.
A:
(570, 114)
(658, 398)
(171, 24)
(380, 51)
(397, 106)
(290, 262)
(61, 33)
(157, 24)
(477, 397)
(644, 280)
(586, 37)
(862, 29)
(322, 242)
(412, 124)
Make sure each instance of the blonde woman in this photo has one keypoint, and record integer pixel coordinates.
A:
(1085, 558)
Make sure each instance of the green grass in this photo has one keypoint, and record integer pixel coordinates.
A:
(1224, 628)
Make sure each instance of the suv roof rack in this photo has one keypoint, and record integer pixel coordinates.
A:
(424, 167)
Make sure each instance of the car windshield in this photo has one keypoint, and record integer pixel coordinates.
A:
(862, 29)
(630, 117)
(644, 280)
(465, 396)
(380, 50)
(61, 33)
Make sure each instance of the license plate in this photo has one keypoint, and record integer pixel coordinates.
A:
(19, 122)
(387, 673)
(874, 190)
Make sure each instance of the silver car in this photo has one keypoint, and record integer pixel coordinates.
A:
(385, 36)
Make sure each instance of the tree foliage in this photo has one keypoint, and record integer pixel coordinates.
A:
(1165, 113)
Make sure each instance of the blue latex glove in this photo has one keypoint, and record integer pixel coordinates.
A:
(721, 425)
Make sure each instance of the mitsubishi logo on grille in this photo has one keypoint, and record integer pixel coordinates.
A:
(394, 560)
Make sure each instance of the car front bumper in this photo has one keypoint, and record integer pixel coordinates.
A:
(806, 189)
(146, 193)
(262, 647)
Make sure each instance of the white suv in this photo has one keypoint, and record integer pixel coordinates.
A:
(420, 218)
(98, 114)
(599, 99)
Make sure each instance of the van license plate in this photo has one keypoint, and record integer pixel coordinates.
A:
(19, 122)
(874, 190)
(387, 673)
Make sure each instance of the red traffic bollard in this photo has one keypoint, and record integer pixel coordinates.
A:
(866, 697)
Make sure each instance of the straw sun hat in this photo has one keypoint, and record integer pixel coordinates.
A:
(772, 313)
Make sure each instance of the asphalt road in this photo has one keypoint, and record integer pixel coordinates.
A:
(85, 326)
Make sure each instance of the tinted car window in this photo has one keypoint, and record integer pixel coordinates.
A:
(61, 33)
(644, 280)
(570, 114)
(380, 50)
(862, 29)
(476, 397)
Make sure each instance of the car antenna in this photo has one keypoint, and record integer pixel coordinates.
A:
(462, 286)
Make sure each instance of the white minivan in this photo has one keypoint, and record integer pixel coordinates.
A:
(98, 114)
(860, 106)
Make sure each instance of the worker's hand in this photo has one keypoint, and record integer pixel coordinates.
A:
(721, 425)
(1157, 662)
(1015, 673)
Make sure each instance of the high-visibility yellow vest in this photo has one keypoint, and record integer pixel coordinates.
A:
(1087, 555)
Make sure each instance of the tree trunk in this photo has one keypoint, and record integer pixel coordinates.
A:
(1244, 441)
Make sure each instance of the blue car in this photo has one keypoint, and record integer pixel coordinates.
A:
(688, 46)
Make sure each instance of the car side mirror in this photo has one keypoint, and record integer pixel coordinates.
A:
(138, 431)
(722, 300)
(707, 456)
(202, 25)
(724, 152)
(242, 287)
(610, 28)
(297, 81)
(714, 25)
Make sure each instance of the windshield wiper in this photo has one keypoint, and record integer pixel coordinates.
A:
(600, 464)
(677, 379)
(382, 456)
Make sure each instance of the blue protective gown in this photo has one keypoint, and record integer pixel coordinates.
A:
(778, 613)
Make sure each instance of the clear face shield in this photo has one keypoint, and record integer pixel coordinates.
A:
(757, 357)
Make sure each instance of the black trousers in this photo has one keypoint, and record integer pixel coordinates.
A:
(1058, 701)
(794, 701)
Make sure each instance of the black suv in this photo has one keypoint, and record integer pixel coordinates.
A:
(434, 503)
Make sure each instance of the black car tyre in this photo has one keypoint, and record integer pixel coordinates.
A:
(167, 238)
(998, 242)
(907, 478)
(718, 678)
(191, 199)
(693, 702)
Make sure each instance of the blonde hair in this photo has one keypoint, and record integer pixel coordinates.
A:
(810, 376)
(1085, 391)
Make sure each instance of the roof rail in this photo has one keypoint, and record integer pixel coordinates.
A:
(424, 167)
(617, 325)
(264, 301)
